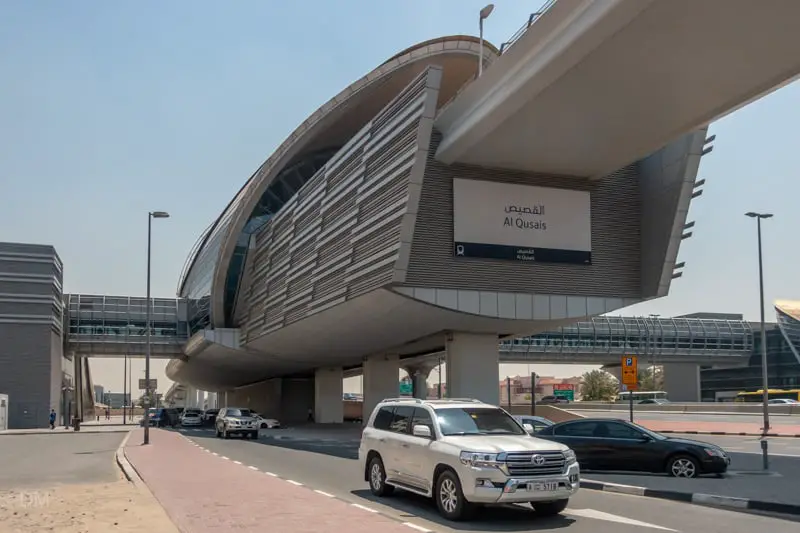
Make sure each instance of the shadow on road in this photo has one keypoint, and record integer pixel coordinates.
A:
(343, 450)
(500, 518)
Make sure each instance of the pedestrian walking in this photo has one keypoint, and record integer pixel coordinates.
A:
(52, 419)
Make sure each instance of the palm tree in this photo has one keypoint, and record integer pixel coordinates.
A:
(598, 385)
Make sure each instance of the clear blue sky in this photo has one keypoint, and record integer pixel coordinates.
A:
(111, 109)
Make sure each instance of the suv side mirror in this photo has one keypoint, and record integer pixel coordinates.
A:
(422, 431)
(528, 427)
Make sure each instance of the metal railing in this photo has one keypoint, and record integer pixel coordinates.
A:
(503, 49)
(531, 20)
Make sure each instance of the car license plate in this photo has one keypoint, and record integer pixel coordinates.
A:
(543, 486)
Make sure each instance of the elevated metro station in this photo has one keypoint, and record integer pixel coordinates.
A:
(425, 210)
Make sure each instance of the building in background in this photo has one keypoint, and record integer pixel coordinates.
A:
(34, 372)
(783, 359)
(98, 394)
(116, 400)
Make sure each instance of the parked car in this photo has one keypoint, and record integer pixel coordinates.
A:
(236, 421)
(161, 417)
(463, 453)
(191, 419)
(266, 423)
(536, 422)
(547, 400)
(609, 444)
(210, 417)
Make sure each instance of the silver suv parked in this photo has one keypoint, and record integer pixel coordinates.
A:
(236, 421)
(464, 453)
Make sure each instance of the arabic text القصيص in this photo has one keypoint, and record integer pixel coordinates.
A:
(525, 210)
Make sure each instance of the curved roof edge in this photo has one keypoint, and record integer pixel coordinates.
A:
(791, 308)
(316, 123)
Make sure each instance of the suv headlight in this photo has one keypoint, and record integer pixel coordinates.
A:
(569, 456)
(482, 460)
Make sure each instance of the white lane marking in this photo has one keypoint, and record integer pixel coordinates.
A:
(363, 508)
(226, 458)
(600, 515)
(271, 474)
(237, 462)
(215, 453)
(418, 528)
(323, 493)
(252, 468)
(293, 482)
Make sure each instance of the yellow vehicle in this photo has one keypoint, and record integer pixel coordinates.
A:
(773, 394)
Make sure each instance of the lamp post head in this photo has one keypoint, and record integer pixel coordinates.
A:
(159, 214)
(486, 11)
(753, 214)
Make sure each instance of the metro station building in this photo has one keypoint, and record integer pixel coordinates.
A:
(355, 245)
(425, 212)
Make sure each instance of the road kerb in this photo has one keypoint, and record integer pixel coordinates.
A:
(731, 434)
(127, 468)
(711, 500)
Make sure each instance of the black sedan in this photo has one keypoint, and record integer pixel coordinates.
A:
(607, 444)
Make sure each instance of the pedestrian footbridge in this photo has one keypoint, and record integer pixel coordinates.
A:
(115, 326)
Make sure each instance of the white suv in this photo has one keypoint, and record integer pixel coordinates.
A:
(464, 453)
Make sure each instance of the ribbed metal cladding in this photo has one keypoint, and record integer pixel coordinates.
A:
(339, 237)
(615, 268)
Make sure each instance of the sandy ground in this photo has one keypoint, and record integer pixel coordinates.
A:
(90, 508)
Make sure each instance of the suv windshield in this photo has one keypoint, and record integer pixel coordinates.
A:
(477, 421)
(238, 412)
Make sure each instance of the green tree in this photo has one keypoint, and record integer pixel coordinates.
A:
(598, 385)
(651, 378)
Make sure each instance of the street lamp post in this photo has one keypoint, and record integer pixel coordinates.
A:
(150, 216)
(764, 368)
(483, 15)
(124, 389)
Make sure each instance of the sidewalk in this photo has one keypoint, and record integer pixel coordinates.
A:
(719, 428)
(202, 493)
(62, 430)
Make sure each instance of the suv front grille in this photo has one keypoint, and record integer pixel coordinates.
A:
(523, 464)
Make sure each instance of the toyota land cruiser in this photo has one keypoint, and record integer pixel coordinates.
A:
(464, 453)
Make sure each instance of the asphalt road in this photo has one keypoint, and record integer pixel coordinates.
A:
(36, 461)
(331, 467)
(778, 446)
(775, 420)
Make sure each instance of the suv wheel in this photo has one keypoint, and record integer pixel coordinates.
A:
(550, 508)
(450, 498)
(377, 478)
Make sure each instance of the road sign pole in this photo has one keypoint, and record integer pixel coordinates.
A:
(630, 404)
(630, 378)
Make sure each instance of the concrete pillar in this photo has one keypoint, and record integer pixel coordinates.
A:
(297, 398)
(419, 378)
(328, 391)
(473, 367)
(682, 382)
(381, 374)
